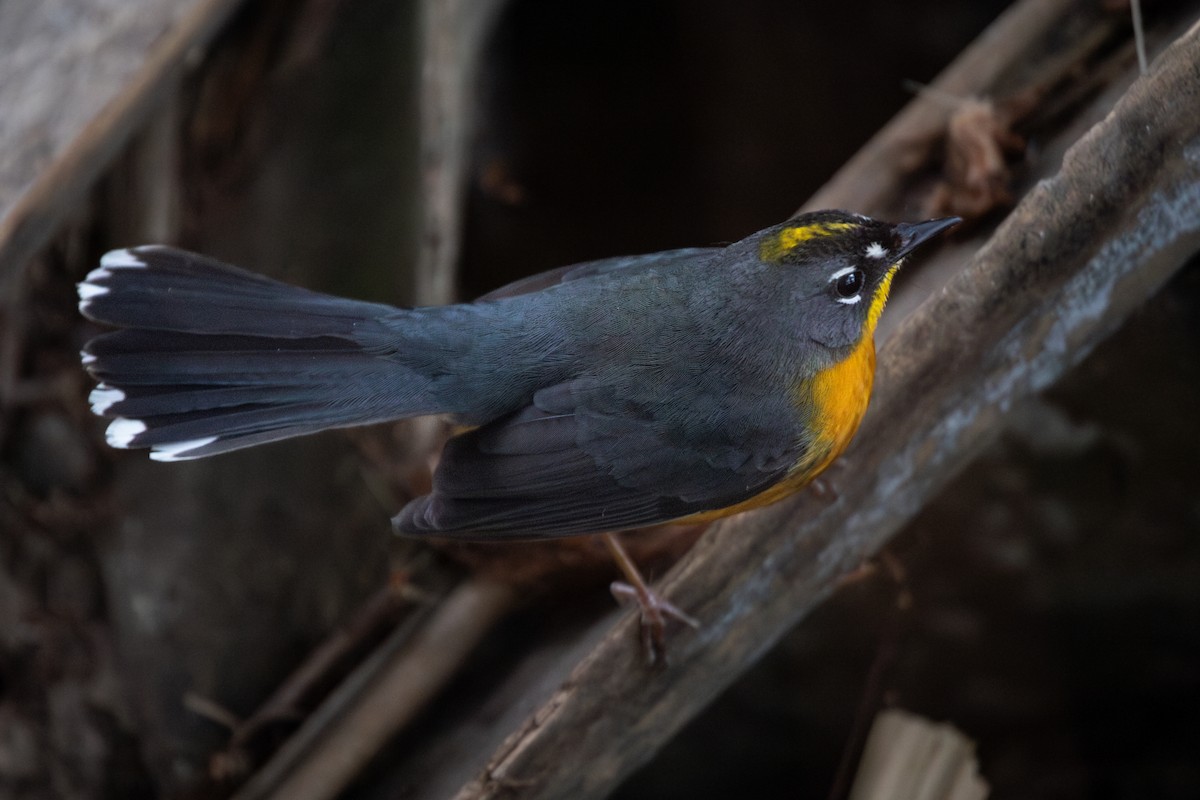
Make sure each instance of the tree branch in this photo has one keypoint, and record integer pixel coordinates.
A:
(61, 136)
(452, 43)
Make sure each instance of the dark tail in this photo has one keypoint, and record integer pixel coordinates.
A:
(214, 358)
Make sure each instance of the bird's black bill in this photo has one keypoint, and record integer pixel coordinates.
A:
(915, 234)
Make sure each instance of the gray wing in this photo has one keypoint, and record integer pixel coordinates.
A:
(580, 459)
(604, 266)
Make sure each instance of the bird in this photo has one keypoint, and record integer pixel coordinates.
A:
(677, 386)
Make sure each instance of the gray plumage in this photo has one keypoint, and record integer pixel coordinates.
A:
(607, 395)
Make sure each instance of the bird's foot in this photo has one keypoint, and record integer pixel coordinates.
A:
(655, 610)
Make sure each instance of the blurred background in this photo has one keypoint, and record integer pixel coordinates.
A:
(1047, 604)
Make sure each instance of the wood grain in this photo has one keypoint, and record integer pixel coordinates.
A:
(453, 35)
(77, 79)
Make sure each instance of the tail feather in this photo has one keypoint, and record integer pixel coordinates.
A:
(141, 402)
(213, 358)
(166, 289)
(140, 357)
(233, 426)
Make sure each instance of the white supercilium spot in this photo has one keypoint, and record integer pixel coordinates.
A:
(875, 250)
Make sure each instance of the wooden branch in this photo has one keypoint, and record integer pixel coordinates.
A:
(77, 79)
(319, 761)
(1007, 57)
(452, 38)
(1079, 253)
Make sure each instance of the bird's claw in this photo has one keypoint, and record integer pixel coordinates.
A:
(655, 610)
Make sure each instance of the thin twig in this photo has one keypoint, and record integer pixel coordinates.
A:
(1139, 35)
(346, 736)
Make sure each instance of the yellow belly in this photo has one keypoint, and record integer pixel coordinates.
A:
(839, 397)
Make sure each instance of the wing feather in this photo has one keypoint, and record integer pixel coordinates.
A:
(603, 266)
(540, 472)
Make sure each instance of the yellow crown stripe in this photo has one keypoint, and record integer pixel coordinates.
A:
(790, 238)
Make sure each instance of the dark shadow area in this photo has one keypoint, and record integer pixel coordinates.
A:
(610, 128)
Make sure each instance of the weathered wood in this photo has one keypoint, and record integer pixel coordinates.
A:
(452, 38)
(77, 79)
(324, 756)
(1079, 253)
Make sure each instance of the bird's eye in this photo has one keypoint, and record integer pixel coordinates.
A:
(849, 284)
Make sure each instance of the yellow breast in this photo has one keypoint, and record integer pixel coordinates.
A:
(839, 397)
(836, 399)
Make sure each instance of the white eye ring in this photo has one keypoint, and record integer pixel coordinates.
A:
(849, 301)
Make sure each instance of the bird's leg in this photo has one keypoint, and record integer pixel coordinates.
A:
(654, 609)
